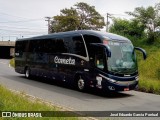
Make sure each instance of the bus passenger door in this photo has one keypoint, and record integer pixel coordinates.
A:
(98, 64)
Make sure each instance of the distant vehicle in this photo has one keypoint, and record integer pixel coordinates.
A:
(86, 58)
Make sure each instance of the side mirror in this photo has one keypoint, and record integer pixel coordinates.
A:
(143, 51)
(108, 50)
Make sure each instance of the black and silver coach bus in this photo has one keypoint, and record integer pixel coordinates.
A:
(87, 58)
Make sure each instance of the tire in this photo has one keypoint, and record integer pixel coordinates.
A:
(81, 85)
(27, 73)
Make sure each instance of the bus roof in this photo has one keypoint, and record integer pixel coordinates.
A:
(99, 34)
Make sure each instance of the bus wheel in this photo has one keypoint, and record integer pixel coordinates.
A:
(81, 84)
(27, 72)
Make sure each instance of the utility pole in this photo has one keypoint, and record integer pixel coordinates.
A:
(48, 19)
(107, 24)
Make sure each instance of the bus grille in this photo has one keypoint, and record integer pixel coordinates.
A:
(126, 82)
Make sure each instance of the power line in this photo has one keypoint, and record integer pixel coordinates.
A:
(2, 13)
(19, 30)
(23, 28)
(31, 20)
(28, 34)
(18, 35)
(117, 14)
(120, 15)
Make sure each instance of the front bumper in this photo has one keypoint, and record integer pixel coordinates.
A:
(115, 83)
(119, 85)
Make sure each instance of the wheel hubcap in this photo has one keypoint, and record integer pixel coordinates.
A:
(27, 73)
(80, 84)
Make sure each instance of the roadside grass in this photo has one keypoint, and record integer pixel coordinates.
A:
(10, 101)
(149, 71)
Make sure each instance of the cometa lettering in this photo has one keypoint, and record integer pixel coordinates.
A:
(68, 61)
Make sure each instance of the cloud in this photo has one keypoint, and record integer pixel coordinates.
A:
(33, 9)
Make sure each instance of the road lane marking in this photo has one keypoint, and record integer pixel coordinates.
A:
(3, 62)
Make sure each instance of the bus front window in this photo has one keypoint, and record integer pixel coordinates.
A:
(123, 59)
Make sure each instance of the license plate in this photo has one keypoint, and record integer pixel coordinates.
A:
(126, 89)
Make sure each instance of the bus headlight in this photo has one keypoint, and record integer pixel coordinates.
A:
(109, 79)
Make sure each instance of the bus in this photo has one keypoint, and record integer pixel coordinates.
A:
(84, 58)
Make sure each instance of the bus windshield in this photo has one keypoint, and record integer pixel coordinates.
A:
(123, 59)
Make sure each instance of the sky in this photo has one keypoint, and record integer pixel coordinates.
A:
(26, 18)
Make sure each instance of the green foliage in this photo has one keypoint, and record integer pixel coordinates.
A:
(81, 16)
(127, 27)
(66, 21)
(10, 101)
(149, 18)
(142, 26)
(150, 71)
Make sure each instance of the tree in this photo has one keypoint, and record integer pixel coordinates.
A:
(149, 17)
(66, 21)
(80, 16)
(127, 27)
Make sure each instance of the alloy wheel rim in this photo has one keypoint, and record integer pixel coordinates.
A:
(27, 73)
(80, 84)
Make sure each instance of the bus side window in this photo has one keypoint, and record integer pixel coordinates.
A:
(91, 39)
(78, 46)
(60, 46)
(50, 45)
(68, 44)
(33, 46)
(19, 48)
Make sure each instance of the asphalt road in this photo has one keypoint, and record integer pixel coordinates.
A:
(70, 98)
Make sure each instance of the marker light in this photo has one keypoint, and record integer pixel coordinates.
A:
(105, 42)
